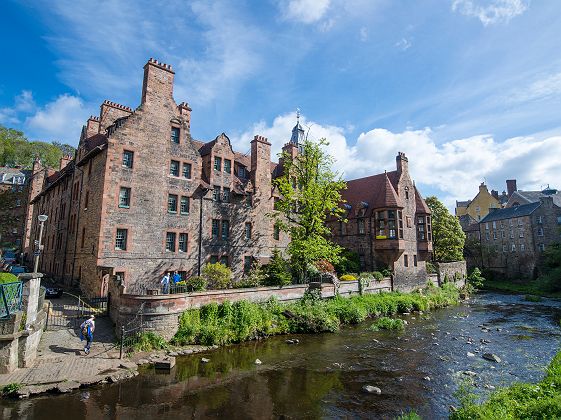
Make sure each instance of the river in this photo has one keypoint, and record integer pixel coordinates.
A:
(323, 375)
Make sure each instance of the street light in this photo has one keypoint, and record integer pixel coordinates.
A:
(42, 219)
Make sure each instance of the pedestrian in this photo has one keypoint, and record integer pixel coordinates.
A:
(165, 283)
(176, 277)
(86, 332)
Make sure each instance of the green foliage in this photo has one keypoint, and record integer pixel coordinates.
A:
(378, 276)
(217, 276)
(148, 341)
(349, 262)
(447, 236)
(532, 298)
(386, 272)
(241, 321)
(15, 149)
(254, 278)
(277, 271)
(475, 278)
(386, 323)
(410, 415)
(11, 389)
(8, 278)
(347, 277)
(431, 269)
(196, 284)
(310, 193)
(519, 401)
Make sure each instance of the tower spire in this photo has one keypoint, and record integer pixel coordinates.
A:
(297, 137)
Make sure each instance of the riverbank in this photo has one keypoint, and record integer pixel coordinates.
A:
(530, 287)
(519, 401)
(241, 321)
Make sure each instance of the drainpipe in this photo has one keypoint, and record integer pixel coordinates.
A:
(77, 222)
(201, 197)
(68, 230)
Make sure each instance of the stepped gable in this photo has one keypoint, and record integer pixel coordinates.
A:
(420, 203)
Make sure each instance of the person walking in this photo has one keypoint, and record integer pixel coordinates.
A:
(86, 332)
(165, 283)
(176, 277)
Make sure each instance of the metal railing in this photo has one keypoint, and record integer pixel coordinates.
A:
(10, 298)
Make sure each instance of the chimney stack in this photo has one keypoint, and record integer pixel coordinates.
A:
(495, 194)
(402, 163)
(510, 186)
(260, 163)
(158, 82)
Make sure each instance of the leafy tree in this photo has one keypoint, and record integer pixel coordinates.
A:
(448, 237)
(217, 276)
(310, 193)
(349, 262)
(277, 271)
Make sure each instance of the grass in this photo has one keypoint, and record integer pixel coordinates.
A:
(242, 321)
(532, 298)
(386, 323)
(11, 389)
(146, 341)
(518, 401)
(530, 287)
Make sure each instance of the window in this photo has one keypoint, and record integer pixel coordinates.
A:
(541, 247)
(511, 234)
(486, 225)
(276, 233)
(520, 223)
(391, 224)
(360, 224)
(539, 219)
(415, 260)
(226, 195)
(170, 241)
(242, 173)
(86, 202)
(217, 164)
(174, 168)
(400, 223)
(121, 240)
(540, 231)
(494, 225)
(247, 261)
(421, 228)
(405, 260)
(510, 222)
(18, 202)
(559, 220)
(216, 193)
(128, 158)
(513, 247)
(504, 248)
(213, 259)
(184, 206)
(521, 234)
(224, 260)
(487, 235)
(120, 277)
(186, 170)
(248, 200)
(228, 166)
(175, 135)
(494, 234)
(503, 234)
(522, 247)
(172, 203)
(215, 228)
(83, 237)
(124, 197)
(225, 230)
(182, 242)
(248, 231)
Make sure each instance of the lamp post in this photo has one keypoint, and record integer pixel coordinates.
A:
(42, 219)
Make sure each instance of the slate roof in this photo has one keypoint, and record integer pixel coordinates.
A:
(510, 212)
(7, 175)
(534, 196)
(468, 223)
(463, 203)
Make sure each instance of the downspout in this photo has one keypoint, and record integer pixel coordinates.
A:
(201, 197)
(77, 222)
(67, 232)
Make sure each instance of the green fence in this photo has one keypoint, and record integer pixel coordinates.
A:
(10, 298)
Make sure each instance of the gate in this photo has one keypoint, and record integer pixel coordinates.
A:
(70, 311)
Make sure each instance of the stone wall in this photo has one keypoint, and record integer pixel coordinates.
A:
(161, 312)
(452, 271)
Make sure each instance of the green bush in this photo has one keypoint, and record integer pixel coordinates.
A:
(277, 271)
(7, 278)
(386, 272)
(378, 276)
(11, 388)
(217, 276)
(195, 284)
(386, 323)
(532, 298)
(347, 277)
(431, 269)
(254, 278)
(148, 341)
(349, 262)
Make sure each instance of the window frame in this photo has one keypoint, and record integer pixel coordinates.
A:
(124, 239)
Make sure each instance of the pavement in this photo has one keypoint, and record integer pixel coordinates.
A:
(61, 359)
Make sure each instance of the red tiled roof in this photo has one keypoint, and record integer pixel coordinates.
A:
(376, 190)
(94, 141)
(420, 203)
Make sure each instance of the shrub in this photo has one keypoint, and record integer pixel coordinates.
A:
(7, 278)
(349, 262)
(386, 272)
(11, 388)
(475, 278)
(386, 323)
(532, 298)
(347, 277)
(278, 271)
(254, 278)
(431, 269)
(148, 341)
(217, 276)
(378, 276)
(195, 284)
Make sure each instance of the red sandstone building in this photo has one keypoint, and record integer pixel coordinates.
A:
(389, 225)
(143, 197)
(13, 203)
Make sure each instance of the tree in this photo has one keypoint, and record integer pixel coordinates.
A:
(310, 193)
(448, 237)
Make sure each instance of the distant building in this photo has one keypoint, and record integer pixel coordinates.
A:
(513, 239)
(479, 207)
(520, 197)
(13, 204)
(389, 225)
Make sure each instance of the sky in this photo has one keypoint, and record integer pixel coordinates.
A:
(470, 90)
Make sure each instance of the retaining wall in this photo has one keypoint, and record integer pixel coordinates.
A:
(454, 271)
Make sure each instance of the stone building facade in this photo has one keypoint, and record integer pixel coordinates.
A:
(389, 225)
(513, 239)
(142, 197)
(14, 184)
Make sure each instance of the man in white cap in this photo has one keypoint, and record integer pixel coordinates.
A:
(86, 332)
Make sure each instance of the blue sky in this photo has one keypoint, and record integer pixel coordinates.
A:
(470, 90)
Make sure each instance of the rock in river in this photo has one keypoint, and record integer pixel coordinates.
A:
(372, 389)
(492, 357)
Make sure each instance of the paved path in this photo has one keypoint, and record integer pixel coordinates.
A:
(61, 358)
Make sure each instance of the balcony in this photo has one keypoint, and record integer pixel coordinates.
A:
(383, 244)
(424, 246)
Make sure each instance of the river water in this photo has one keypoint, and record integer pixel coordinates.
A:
(323, 375)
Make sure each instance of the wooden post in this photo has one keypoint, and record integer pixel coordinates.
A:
(122, 341)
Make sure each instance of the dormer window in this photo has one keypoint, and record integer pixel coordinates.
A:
(175, 135)
(217, 163)
(242, 173)
(227, 166)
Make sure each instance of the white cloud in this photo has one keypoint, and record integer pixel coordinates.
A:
(403, 44)
(23, 103)
(539, 89)
(304, 11)
(60, 120)
(492, 12)
(454, 168)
